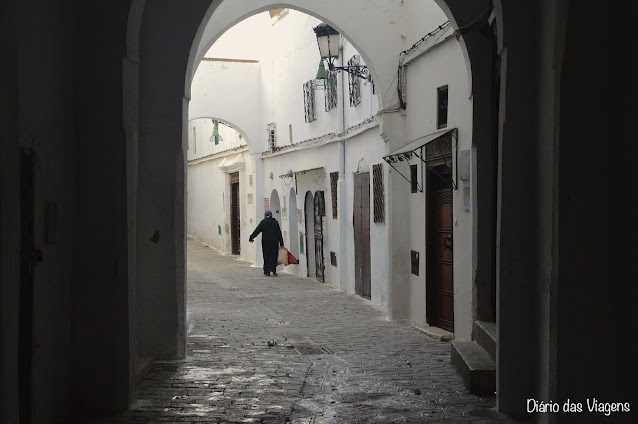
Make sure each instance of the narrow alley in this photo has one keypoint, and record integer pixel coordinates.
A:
(289, 349)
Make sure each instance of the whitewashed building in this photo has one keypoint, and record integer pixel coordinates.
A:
(313, 151)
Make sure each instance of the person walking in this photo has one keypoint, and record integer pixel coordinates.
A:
(271, 239)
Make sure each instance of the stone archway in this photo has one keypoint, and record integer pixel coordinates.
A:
(170, 53)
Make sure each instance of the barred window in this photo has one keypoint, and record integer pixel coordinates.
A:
(331, 91)
(413, 178)
(272, 137)
(378, 193)
(334, 176)
(354, 82)
(309, 101)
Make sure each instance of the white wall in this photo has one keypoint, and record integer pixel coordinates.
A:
(208, 194)
(443, 65)
(229, 91)
(369, 148)
(288, 56)
(421, 17)
(379, 48)
(200, 143)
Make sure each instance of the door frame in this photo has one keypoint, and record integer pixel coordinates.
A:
(429, 279)
(309, 198)
(27, 273)
(319, 210)
(360, 287)
(235, 218)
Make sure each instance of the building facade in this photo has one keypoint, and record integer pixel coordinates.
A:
(325, 164)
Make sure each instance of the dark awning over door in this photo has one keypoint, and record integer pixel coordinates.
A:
(415, 148)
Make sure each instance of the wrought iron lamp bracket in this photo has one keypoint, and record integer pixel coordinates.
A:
(360, 71)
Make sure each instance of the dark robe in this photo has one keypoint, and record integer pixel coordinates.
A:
(271, 239)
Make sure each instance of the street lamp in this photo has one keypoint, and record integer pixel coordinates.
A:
(328, 42)
(215, 137)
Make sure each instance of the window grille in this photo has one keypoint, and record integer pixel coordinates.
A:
(334, 177)
(331, 91)
(272, 137)
(354, 82)
(309, 101)
(441, 107)
(378, 193)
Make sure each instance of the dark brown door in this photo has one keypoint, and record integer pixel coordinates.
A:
(319, 211)
(235, 214)
(27, 260)
(362, 275)
(439, 249)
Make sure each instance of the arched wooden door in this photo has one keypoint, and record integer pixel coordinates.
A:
(319, 211)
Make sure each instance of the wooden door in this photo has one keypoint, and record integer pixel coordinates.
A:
(235, 218)
(439, 248)
(28, 256)
(319, 211)
(362, 277)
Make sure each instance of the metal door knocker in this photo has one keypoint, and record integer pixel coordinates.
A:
(447, 242)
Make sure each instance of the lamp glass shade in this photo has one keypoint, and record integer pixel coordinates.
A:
(328, 46)
(321, 71)
(328, 41)
(216, 129)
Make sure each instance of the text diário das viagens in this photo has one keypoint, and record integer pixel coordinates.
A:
(592, 405)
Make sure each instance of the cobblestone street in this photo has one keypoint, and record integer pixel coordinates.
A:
(336, 358)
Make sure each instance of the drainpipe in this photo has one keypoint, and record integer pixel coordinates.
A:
(343, 212)
(259, 205)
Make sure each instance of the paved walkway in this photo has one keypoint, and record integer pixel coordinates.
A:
(336, 359)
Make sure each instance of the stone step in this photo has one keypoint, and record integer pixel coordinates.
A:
(485, 336)
(475, 367)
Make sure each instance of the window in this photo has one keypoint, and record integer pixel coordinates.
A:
(334, 177)
(378, 193)
(331, 91)
(309, 101)
(272, 137)
(441, 119)
(413, 178)
(354, 83)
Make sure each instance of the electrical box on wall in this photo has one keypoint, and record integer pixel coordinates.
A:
(464, 165)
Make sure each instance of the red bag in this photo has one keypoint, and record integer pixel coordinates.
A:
(292, 259)
(282, 256)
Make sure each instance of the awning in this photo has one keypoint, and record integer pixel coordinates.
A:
(406, 152)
